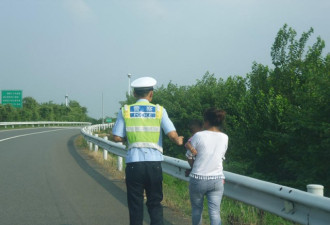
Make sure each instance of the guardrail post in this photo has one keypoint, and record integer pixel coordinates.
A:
(120, 161)
(96, 147)
(90, 143)
(105, 152)
(315, 189)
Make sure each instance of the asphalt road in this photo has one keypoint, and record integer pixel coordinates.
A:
(44, 180)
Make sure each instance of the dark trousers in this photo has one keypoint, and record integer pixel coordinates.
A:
(142, 176)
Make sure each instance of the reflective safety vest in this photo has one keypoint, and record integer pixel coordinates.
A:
(142, 121)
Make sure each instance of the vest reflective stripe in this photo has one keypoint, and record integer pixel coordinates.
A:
(146, 145)
(142, 121)
(143, 129)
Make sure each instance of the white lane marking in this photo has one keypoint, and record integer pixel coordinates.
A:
(47, 131)
(35, 128)
(8, 130)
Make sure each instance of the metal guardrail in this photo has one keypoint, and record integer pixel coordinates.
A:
(289, 203)
(43, 123)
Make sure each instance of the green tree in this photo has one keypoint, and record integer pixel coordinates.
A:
(30, 110)
(46, 112)
(8, 113)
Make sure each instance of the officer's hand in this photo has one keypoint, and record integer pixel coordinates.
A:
(118, 139)
(173, 135)
(179, 140)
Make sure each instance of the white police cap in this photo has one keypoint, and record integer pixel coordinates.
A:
(144, 82)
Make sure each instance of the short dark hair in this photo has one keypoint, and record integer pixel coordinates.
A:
(142, 92)
(215, 116)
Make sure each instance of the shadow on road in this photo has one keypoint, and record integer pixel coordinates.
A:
(107, 184)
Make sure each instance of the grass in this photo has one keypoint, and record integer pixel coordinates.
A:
(176, 196)
(109, 165)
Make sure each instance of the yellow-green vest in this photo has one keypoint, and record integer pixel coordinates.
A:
(143, 121)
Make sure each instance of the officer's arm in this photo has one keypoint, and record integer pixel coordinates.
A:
(118, 130)
(173, 135)
(118, 139)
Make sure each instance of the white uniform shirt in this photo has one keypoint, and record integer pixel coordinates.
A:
(211, 148)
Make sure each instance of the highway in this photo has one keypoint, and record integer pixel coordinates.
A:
(45, 180)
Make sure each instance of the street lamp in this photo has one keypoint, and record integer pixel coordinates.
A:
(67, 100)
(129, 84)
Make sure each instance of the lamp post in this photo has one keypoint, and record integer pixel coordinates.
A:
(67, 100)
(129, 84)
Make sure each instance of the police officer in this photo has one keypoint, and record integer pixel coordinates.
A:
(141, 125)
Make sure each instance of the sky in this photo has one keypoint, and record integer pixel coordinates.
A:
(86, 48)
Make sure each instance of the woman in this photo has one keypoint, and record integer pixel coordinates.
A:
(206, 177)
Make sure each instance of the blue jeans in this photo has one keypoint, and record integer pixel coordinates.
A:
(213, 190)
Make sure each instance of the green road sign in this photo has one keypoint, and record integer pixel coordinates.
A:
(13, 97)
(108, 120)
